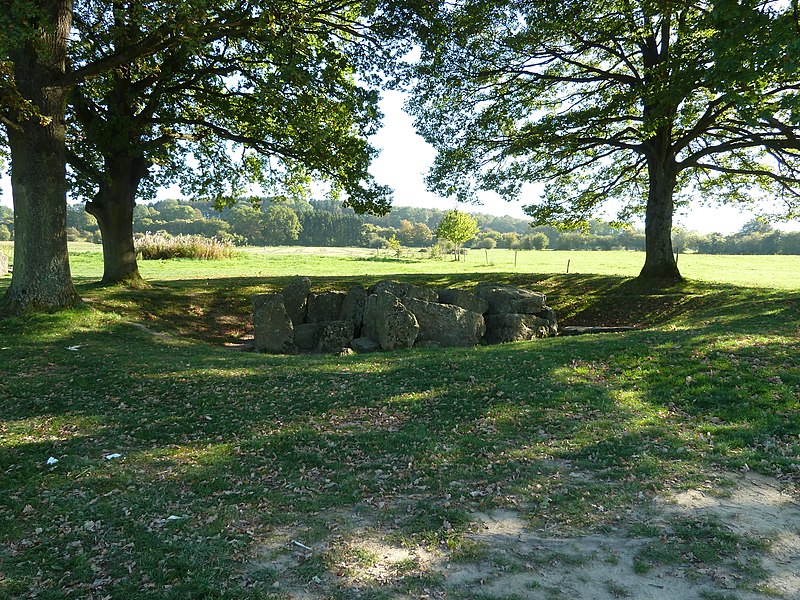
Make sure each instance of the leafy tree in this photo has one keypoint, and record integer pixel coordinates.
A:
(35, 82)
(637, 100)
(247, 222)
(5, 234)
(395, 246)
(457, 227)
(281, 225)
(534, 241)
(276, 81)
(756, 226)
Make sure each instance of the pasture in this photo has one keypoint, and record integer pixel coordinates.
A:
(657, 463)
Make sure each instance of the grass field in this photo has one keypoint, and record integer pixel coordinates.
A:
(586, 467)
(781, 272)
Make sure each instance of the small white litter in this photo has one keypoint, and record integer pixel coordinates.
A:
(113, 456)
(51, 461)
(74, 348)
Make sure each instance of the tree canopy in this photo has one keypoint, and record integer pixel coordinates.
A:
(632, 100)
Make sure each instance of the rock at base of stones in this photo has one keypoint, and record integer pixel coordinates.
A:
(515, 328)
(306, 336)
(365, 344)
(335, 336)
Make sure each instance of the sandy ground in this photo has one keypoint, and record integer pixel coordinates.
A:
(518, 562)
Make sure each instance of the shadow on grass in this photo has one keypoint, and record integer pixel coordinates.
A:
(236, 444)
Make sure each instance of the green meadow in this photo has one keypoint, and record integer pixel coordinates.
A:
(186, 468)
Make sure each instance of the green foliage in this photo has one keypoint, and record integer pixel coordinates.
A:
(295, 113)
(456, 227)
(394, 245)
(160, 247)
(281, 225)
(534, 241)
(494, 77)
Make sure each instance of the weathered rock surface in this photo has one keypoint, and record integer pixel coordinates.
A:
(335, 336)
(507, 299)
(446, 324)
(515, 328)
(353, 308)
(306, 336)
(365, 344)
(549, 314)
(295, 297)
(3, 264)
(274, 331)
(369, 325)
(324, 306)
(397, 327)
(464, 299)
(337, 321)
(404, 290)
(257, 300)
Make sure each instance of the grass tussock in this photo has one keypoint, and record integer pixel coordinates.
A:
(159, 247)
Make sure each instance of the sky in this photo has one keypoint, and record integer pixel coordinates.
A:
(405, 158)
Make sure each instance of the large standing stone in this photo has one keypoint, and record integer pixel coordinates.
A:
(445, 324)
(3, 264)
(295, 297)
(353, 308)
(397, 327)
(515, 328)
(257, 300)
(324, 306)
(507, 299)
(369, 325)
(274, 331)
(335, 336)
(464, 299)
(306, 336)
(404, 290)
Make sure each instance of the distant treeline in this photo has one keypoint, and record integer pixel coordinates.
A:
(326, 223)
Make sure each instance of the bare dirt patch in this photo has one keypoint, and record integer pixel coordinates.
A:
(501, 557)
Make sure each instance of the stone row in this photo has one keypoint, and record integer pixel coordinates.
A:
(391, 315)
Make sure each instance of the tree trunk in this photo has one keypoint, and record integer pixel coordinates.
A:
(113, 208)
(41, 277)
(660, 261)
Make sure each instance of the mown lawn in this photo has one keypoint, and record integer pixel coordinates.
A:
(222, 452)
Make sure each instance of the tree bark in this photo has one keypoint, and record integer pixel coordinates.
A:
(113, 208)
(660, 263)
(41, 278)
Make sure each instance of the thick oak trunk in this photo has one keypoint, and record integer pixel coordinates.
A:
(660, 263)
(113, 208)
(41, 277)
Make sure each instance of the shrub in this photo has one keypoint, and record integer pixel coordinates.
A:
(161, 246)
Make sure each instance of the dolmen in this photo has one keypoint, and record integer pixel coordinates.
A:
(391, 315)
